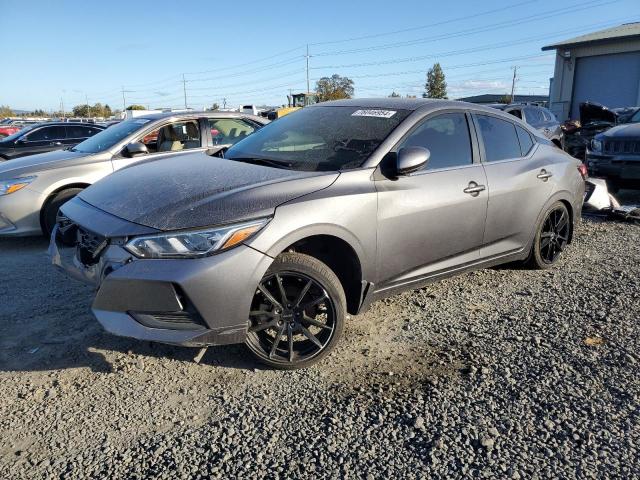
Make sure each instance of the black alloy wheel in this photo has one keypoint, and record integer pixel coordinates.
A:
(296, 314)
(552, 237)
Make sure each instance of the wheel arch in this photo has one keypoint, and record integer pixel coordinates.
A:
(339, 255)
(51, 195)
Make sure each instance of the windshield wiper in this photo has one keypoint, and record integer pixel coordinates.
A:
(265, 161)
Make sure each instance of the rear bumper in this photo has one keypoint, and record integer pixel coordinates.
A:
(192, 302)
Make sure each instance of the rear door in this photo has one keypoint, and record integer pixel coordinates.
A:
(433, 219)
(517, 180)
(41, 140)
(78, 133)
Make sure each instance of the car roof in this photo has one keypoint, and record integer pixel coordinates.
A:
(212, 113)
(62, 124)
(406, 104)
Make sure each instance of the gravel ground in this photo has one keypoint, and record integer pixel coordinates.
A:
(501, 373)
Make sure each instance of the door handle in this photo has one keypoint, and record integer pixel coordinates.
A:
(474, 189)
(544, 175)
(56, 143)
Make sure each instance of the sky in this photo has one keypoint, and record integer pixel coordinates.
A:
(254, 52)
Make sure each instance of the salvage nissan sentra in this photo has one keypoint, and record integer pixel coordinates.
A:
(312, 218)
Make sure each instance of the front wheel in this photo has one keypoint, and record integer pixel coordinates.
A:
(297, 313)
(551, 237)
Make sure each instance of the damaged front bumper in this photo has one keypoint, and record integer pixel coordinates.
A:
(189, 302)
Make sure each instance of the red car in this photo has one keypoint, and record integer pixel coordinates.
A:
(6, 130)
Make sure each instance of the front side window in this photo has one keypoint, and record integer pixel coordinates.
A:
(172, 137)
(229, 131)
(447, 138)
(78, 131)
(320, 138)
(635, 118)
(499, 138)
(47, 133)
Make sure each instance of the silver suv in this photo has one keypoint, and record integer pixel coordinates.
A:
(313, 217)
(33, 188)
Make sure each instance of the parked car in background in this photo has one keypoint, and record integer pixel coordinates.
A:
(538, 117)
(313, 217)
(615, 156)
(594, 118)
(45, 137)
(12, 126)
(33, 188)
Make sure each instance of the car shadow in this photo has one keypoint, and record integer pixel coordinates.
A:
(46, 321)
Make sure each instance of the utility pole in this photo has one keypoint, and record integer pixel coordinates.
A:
(124, 102)
(513, 82)
(86, 100)
(62, 107)
(224, 102)
(184, 88)
(307, 56)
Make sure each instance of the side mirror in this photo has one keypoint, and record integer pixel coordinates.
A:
(135, 148)
(411, 159)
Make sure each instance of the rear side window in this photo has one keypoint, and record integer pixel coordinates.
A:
(499, 138)
(516, 113)
(526, 143)
(229, 130)
(534, 116)
(78, 131)
(47, 133)
(447, 138)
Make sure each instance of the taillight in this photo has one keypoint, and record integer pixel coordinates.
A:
(582, 168)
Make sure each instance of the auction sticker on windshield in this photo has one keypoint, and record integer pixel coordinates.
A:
(374, 113)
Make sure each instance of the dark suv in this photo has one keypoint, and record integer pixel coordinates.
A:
(45, 137)
(540, 118)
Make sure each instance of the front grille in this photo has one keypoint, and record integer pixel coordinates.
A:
(90, 246)
(622, 146)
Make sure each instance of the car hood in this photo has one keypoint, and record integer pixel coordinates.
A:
(591, 112)
(626, 131)
(42, 161)
(196, 190)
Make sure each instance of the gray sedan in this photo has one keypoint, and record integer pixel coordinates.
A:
(33, 188)
(314, 217)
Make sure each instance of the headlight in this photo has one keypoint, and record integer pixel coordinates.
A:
(194, 243)
(15, 184)
(596, 145)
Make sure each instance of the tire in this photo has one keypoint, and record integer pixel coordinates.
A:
(312, 317)
(50, 209)
(551, 238)
(613, 187)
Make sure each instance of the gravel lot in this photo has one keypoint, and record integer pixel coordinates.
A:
(502, 373)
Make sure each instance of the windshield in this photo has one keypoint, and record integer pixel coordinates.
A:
(320, 138)
(109, 137)
(19, 133)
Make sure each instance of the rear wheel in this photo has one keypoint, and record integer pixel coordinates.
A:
(50, 210)
(551, 237)
(297, 313)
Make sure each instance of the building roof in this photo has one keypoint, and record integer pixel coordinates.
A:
(496, 97)
(624, 31)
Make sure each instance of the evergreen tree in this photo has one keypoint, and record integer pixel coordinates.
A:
(435, 87)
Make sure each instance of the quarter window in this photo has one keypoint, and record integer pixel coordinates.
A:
(47, 133)
(499, 138)
(229, 131)
(447, 138)
(534, 116)
(525, 140)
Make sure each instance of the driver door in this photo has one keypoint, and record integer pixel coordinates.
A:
(431, 220)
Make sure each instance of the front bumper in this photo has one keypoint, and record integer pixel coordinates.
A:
(20, 213)
(190, 302)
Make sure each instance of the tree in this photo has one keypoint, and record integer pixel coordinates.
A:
(5, 111)
(506, 99)
(394, 95)
(81, 110)
(435, 87)
(214, 107)
(136, 107)
(334, 88)
(106, 111)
